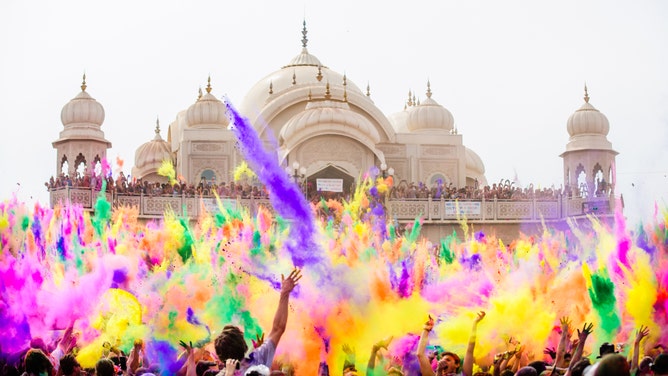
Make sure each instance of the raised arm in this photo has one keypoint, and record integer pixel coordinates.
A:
(467, 370)
(281, 316)
(370, 367)
(640, 335)
(563, 341)
(582, 338)
(425, 366)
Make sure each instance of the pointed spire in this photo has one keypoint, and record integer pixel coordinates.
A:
(328, 94)
(345, 79)
(199, 93)
(304, 32)
(319, 75)
(428, 89)
(310, 96)
(345, 93)
(586, 97)
(157, 125)
(83, 83)
(418, 102)
(368, 89)
(410, 99)
(294, 78)
(208, 85)
(414, 101)
(271, 87)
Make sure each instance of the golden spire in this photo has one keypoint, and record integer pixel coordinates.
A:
(586, 98)
(310, 96)
(83, 83)
(418, 102)
(271, 87)
(208, 85)
(304, 32)
(414, 101)
(368, 89)
(428, 89)
(319, 75)
(157, 125)
(345, 79)
(328, 94)
(345, 93)
(410, 99)
(294, 77)
(199, 93)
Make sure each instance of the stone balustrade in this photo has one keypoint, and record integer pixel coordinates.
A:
(433, 211)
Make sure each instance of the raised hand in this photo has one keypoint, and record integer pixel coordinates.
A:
(429, 325)
(258, 341)
(641, 333)
(289, 283)
(565, 324)
(382, 344)
(586, 331)
(231, 366)
(551, 352)
(479, 317)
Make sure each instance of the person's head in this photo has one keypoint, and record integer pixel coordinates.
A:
(104, 367)
(606, 349)
(527, 371)
(507, 372)
(69, 365)
(660, 365)
(37, 363)
(539, 366)
(38, 343)
(448, 363)
(259, 370)
(613, 365)
(230, 344)
(349, 369)
(580, 366)
(203, 366)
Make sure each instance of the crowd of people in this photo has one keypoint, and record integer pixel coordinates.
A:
(230, 355)
(503, 190)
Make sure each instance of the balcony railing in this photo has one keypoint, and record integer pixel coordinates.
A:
(532, 210)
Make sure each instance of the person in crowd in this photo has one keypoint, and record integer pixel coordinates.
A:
(230, 344)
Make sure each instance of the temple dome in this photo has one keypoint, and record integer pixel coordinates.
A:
(429, 115)
(150, 155)
(82, 109)
(336, 115)
(208, 111)
(474, 163)
(587, 120)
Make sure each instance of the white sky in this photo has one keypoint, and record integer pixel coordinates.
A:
(511, 73)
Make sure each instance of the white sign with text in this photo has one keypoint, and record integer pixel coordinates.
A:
(329, 185)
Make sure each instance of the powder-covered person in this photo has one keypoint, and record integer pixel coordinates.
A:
(230, 344)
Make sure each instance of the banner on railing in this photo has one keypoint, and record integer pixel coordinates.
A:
(465, 208)
(211, 205)
(329, 185)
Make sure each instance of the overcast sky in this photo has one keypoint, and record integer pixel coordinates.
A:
(511, 73)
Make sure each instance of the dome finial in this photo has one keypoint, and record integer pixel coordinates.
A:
(304, 32)
(345, 93)
(319, 75)
(208, 85)
(409, 102)
(271, 87)
(294, 77)
(328, 94)
(345, 79)
(428, 89)
(199, 93)
(368, 89)
(586, 97)
(415, 101)
(157, 125)
(83, 83)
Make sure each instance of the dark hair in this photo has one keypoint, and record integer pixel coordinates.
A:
(230, 344)
(453, 355)
(67, 364)
(613, 365)
(203, 366)
(37, 362)
(579, 367)
(104, 367)
(538, 365)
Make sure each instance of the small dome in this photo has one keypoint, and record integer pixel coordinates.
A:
(587, 120)
(474, 163)
(399, 121)
(82, 109)
(336, 116)
(304, 59)
(150, 155)
(430, 115)
(207, 111)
